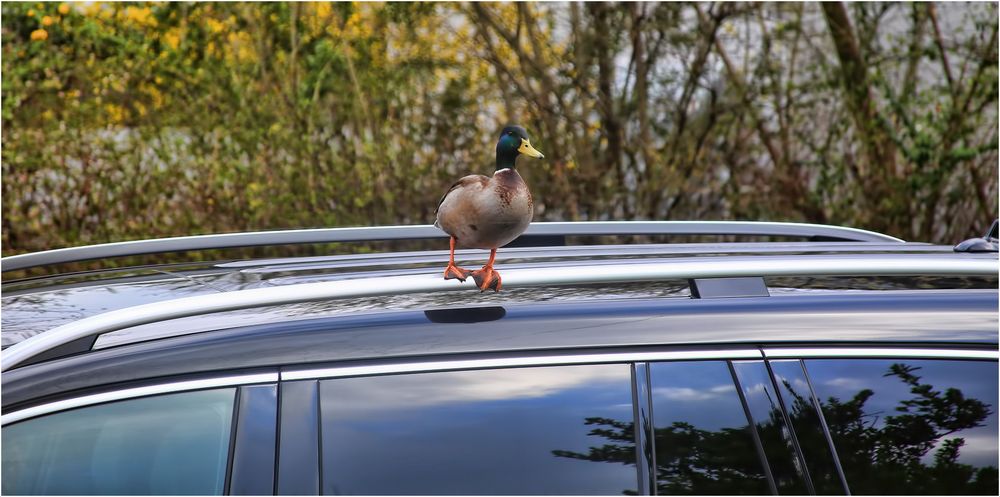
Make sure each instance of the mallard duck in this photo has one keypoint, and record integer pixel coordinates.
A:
(488, 212)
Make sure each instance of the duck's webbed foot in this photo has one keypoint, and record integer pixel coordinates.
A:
(453, 272)
(487, 278)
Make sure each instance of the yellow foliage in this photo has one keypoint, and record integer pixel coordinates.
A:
(354, 28)
(141, 16)
(318, 15)
(155, 96)
(99, 10)
(39, 35)
(116, 114)
(242, 47)
(214, 26)
(506, 15)
(323, 10)
(172, 38)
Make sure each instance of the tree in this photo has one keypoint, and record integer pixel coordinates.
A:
(879, 116)
(876, 460)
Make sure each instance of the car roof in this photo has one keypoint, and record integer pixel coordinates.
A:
(37, 304)
(944, 317)
(382, 295)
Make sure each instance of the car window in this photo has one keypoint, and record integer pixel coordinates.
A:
(168, 444)
(539, 430)
(798, 401)
(912, 426)
(790, 475)
(703, 440)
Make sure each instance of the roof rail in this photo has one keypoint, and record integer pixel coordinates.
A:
(818, 232)
(44, 344)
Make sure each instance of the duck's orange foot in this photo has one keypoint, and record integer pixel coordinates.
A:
(453, 272)
(487, 278)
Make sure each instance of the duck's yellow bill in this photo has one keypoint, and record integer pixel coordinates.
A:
(528, 150)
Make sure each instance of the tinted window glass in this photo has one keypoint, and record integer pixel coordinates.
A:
(912, 426)
(702, 436)
(550, 430)
(169, 444)
(765, 408)
(801, 408)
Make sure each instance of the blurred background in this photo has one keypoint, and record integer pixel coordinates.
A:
(134, 120)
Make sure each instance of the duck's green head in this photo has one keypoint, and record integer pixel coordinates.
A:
(513, 142)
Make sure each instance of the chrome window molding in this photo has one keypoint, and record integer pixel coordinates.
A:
(130, 393)
(879, 352)
(515, 362)
(494, 363)
(869, 265)
(634, 357)
(424, 231)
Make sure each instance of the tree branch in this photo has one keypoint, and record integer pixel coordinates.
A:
(932, 15)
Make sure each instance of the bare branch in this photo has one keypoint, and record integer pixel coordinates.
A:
(932, 15)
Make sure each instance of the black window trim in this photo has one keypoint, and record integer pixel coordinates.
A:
(643, 429)
(793, 437)
(826, 428)
(253, 454)
(752, 426)
(298, 463)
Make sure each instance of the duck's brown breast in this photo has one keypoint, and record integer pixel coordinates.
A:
(512, 210)
(485, 212)
(512, 192)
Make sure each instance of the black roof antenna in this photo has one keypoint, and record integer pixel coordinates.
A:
(988, 243)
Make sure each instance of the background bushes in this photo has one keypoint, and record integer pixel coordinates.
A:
(135, 120)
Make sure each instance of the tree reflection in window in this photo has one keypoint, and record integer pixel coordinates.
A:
(773, 430)
(798, 400)
(703, 442)
(906, 436)
(897, 434)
